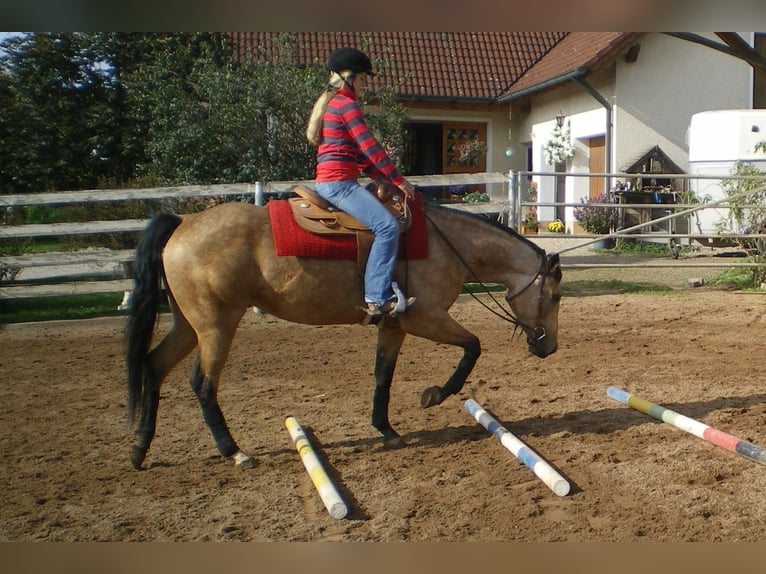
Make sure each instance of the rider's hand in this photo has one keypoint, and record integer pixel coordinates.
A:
(408, 189)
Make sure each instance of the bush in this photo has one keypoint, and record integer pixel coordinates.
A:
(594, 218)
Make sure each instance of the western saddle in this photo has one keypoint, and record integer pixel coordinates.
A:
(315, 215)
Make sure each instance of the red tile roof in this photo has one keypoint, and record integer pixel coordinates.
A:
(585, 51)
(467, 66)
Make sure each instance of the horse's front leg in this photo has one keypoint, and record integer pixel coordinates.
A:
(390, 338)
(443, 329)
(435, 395)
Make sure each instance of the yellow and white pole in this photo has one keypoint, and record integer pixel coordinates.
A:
(327, 491)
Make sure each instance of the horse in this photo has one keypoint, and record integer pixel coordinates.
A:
(217, 263)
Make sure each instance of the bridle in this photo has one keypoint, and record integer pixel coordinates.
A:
(538, 330)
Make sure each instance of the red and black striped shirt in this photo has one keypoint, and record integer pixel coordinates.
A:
(348, 147)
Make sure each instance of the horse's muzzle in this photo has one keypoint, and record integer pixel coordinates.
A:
(541, 345)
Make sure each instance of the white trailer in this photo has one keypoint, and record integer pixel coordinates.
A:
(718, 139)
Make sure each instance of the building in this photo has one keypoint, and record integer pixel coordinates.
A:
(620, 95)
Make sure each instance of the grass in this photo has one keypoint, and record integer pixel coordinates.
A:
(583, 288)
(24, 246)
(610, 286)
(635, 247)
(734, 278)
(105, 304)
(59, 308)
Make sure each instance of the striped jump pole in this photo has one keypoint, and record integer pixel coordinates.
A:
(526, 455)
(697, 428)
(327, 491)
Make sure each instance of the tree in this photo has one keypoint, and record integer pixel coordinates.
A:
(747, 211)
(219, 121)
(82, 110)
(222, 121)
(54, 115)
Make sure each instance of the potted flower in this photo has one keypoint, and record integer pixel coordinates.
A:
(476, 197)
(559, 146)
(556, 226)
(529, 222)
(594, 218)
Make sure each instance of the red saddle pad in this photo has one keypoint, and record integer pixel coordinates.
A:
(291, 239)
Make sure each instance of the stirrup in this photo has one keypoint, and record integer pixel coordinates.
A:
(392, 307)
(401, 303)
(376, 312)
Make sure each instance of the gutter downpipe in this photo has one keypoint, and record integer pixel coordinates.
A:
(608, 132)
(578, 76)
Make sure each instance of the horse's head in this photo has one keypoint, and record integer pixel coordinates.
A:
(536, 307)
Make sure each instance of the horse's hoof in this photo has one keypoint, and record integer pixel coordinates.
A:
(432, 396)
(392, 440)
(243, 461)
(137, 456)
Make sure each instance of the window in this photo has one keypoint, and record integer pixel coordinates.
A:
(456, 137)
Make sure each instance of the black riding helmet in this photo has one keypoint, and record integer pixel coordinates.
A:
(349, 59)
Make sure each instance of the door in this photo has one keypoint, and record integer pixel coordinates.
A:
(597, 164)
(457, 136)
(435, 148)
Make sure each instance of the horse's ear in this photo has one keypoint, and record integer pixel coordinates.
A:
(554, 266)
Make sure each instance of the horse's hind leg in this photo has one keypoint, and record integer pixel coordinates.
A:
(213, 349)
(390, 338)
(178, 343)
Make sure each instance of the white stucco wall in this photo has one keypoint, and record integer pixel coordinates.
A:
(586, 118)
(653, 100)
(672, 80)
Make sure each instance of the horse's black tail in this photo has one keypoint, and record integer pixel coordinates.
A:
(145, 302)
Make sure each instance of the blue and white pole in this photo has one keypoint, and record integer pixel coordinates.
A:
(542, 469)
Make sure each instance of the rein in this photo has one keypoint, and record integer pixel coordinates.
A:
(507, 314)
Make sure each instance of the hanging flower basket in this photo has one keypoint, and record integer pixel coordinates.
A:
(468, 152)
(559, 146)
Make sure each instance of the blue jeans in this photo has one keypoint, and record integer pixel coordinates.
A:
(349, 196)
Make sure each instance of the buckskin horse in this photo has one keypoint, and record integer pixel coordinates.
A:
(217, 263)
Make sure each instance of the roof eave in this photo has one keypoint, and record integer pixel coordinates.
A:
(549, 83)
(452, 99)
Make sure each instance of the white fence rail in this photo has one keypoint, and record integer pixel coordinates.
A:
(101, 270)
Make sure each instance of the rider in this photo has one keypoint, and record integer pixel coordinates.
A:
(345, 147)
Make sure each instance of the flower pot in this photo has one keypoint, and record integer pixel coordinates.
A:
(605, 243)
(526, 230)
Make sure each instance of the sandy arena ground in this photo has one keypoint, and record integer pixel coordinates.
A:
(67, 477)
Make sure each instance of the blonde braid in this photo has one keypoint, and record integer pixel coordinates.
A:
(314, 128)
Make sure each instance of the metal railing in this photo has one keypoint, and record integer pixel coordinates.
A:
(517, 205)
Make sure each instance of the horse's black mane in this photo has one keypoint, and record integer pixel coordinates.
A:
(432, 205)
